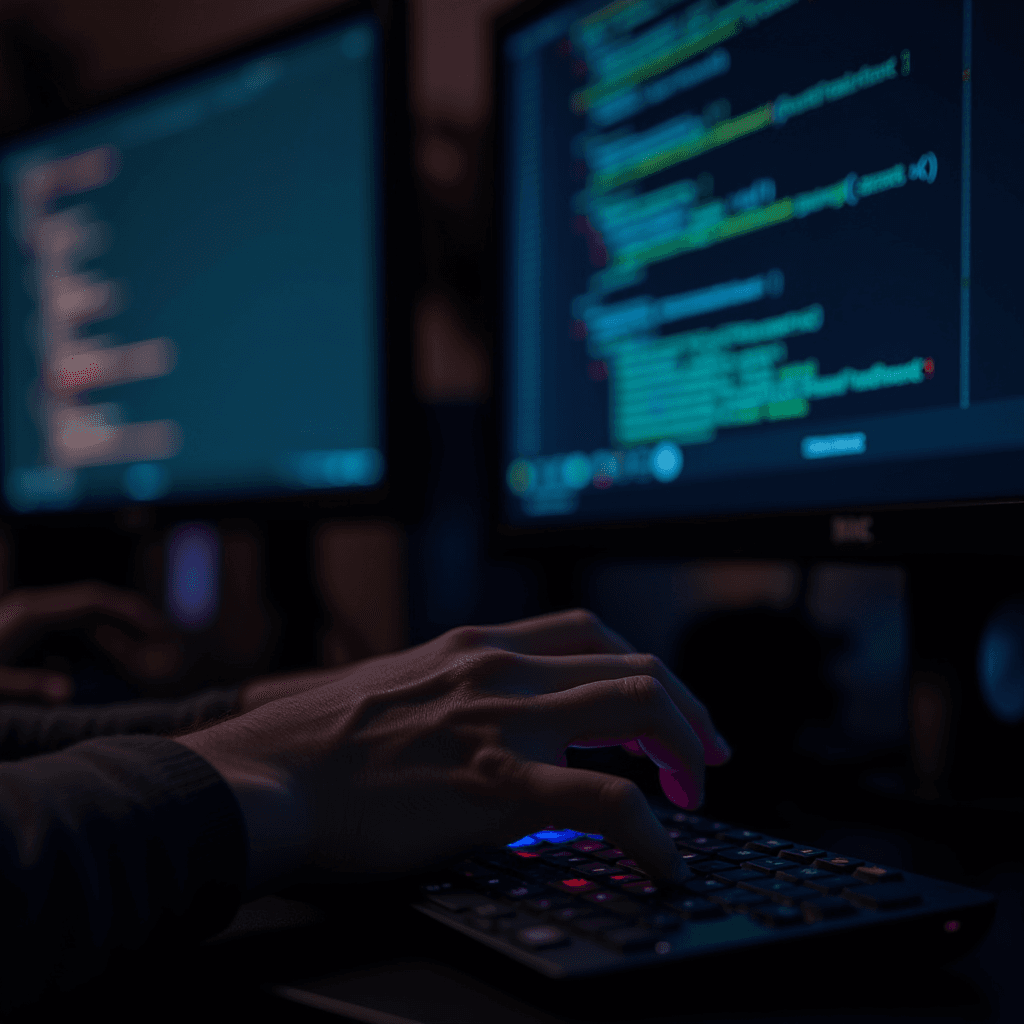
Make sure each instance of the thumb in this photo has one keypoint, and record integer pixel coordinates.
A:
(34, 684)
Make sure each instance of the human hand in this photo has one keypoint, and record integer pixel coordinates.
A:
(413, 758)
(28, 614)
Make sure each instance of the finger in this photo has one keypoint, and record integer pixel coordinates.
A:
(142, 658)
(30, 684)
(601, 804)
(615, 711)
(64, 604)
(550, 674)
(576, 631)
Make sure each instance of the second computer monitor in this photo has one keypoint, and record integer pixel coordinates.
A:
(193, 284)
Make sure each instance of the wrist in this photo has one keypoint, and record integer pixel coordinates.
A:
(271, 812)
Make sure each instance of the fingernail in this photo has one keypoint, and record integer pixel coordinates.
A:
(681, 872)
(723, 746)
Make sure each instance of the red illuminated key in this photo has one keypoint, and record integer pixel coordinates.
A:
(588, 846)
(574, 885)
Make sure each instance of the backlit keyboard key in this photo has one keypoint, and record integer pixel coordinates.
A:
(610, 855)
(874, 873)
(883, 897)
(711, 827)
(836, 862)
(738, 856)
(594, 869)
(693, 908)
(709, 867)
(704, 844)
(565, 915)
(662, 921)
(644, 888)
(702, 886)
(519, 892)
(739, 835)
(801, 876)
(622, 879)
(544, 904)
(769, 865)
(603, 897)
(574, 886)
(765, 845)
(589, 846)
(457, 902)
(560, 857)
(737, 875)
(803, 854)
(831, 886)
(595, 926)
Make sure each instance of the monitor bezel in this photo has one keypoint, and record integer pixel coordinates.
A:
(871, 531)
(395, 495)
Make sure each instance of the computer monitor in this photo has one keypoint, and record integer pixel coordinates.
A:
(198, 286)
(758, 275)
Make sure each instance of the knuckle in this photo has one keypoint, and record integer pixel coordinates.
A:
(643, 690)
(620, 796)
(494, 763)
(584, 618)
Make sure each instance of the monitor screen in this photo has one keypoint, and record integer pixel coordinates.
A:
(759, 256)
(191, 285)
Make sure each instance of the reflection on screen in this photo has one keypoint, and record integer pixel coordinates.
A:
(739, 243)
(191, 289)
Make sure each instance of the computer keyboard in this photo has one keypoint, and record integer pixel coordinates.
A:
(570, 904)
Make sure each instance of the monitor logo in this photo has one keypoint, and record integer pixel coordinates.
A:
(852, 530)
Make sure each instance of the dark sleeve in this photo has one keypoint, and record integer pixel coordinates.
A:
(26, 730)
(106, 847)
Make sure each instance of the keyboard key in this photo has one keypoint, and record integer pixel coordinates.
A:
(662, 921)
(883, 897)
(595, 868)
(611, 855)
(629, 865)
(711, 827)
(737, 875)
(622, 879)
(631, 940)
(565, 915)
(702, 886)
(602, 897)
(803, 875)
(470, 869)
(766, 845)
(769, 865)
(560, 857)
(690, 857)
(543, 904)
(736, 901)
(825, 908)
(738, 856)
(644, 888)
(519, 892)
(739, 835)
(786, 893)
(675, 833)
(558, 835)
(777, 917)
(803, 854)
(693, 908)
(874, 873)
(589, 846)
(703, 844)
(595, 925)
(574, 886)
(709, 867)
(542, 936)
(833, 886)
(835, 862)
